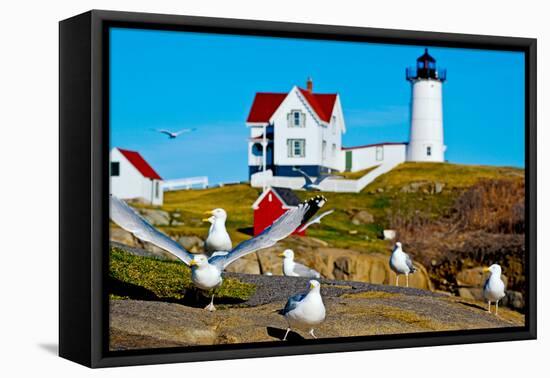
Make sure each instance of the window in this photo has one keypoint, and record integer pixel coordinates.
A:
(157, 185)
(333, 124)
(324, 149)
(379, 153)
(429, 150)
(296, 119)
(333, 153)
(115, 168)
(296, 147)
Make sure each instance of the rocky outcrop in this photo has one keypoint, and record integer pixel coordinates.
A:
(362, 311)
(156, 217)
(362, 217)
(332, 263)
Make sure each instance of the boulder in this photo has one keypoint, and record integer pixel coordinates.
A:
(438, 187)
(191, 243)
(362, 217)
(514, 300)
(389, 234)
(156, 217)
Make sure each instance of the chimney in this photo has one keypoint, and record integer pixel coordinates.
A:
(309, 85)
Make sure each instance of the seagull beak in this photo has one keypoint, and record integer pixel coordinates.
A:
(311, 286)
(205, 219)
(209, 212)
(192, 263)
(281, 255)
(486, 269)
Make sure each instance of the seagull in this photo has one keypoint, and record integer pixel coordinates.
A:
(401, 263)
(310, 184)
(317, 219)
(493, 289)
(175, 134)
(218, 239)
(206, 272)
(294, 269)
(305, 310)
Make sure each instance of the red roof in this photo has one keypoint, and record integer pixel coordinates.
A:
(141, 165)
(321, 103)
(265, 104)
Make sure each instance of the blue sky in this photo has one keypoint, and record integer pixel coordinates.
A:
(175, 80)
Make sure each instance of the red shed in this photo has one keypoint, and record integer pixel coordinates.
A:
(270, 205)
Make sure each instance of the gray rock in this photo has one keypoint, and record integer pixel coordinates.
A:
(156, 217)
(514, 300)
(191, 243)
(439, 187)
(362, 217)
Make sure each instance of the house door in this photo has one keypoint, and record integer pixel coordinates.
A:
(348, 160)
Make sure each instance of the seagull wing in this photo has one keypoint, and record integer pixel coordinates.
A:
(167, 132)
(128, 219)
(283, 226)
(308, 179)
(304, 271)
(183, 131)
(317, 219)
(292, 302)
(410, 263)
(320, 179)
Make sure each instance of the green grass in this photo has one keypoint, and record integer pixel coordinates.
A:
(381, 198)
(141, 277)
(452, 175)
(356, 175)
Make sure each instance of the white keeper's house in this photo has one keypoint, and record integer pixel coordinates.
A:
(132, 177)
(303, 129)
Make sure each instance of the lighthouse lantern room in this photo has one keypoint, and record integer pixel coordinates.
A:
(426, 128)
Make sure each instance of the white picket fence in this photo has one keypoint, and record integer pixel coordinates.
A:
(185, 183)
(266, 178)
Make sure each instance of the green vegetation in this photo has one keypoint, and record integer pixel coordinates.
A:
(387, 198)
(356, 175)
(139, 277)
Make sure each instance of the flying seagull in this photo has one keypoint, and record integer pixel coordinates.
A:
(401, 263)
(295, 269)
(311, 184)
(305, 310)
(218, 239)
(206, 272)
(493, 289)
(175, 134)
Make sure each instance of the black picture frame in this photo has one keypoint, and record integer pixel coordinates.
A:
(84, 191)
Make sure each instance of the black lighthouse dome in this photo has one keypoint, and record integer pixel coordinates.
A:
(426, 68)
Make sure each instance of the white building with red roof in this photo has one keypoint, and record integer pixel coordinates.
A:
(303, 129)
(296, 129)
(132, 177)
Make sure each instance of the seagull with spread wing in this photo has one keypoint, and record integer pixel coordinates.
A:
(206, 272)
(174, 134)
(311, 184)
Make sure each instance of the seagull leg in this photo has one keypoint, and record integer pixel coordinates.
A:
(286, 334)
(397, 280)
(496, 308)
(407, 277)
(210, 306)
(312, 334)
(489, 309)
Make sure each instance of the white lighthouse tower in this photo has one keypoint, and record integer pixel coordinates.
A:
(426, 132)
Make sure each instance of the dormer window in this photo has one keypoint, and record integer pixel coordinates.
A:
(296, 119)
